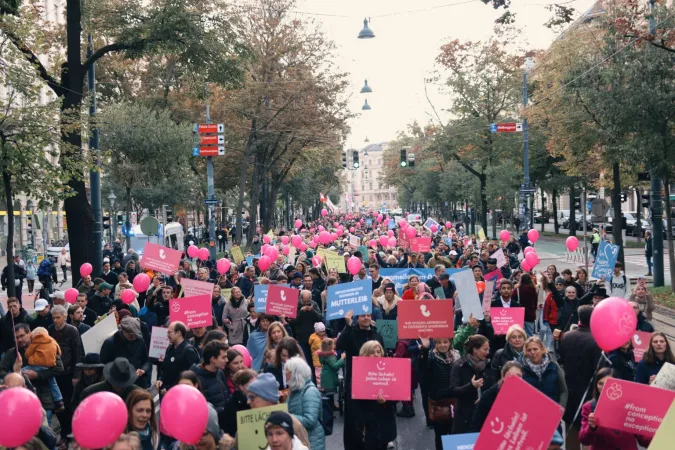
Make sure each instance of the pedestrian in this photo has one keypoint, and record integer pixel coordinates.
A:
(128, 343)
(648, 252)
(619, 285)
(330, 368)
(315, 340)
(287, 349)
(179, 356)
(513, 349)
(644, 299)
(642, 323)
(234, 314)
(31, 274)
(141, 419)
(510, 369)
(544, 374)
(280, 434)
(63, 261)
(92, 373)
(119, 378)
(41, 356)
(257, 340)
(304, 401)
(212, 376)
(595, 243)
(622, 361)
(657, 354)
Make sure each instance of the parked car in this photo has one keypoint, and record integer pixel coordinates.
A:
(564, 218)
(540, 217)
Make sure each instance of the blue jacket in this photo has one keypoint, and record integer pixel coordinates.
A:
(256, 348)
(552, 383)
(305, 405)
(645, 370)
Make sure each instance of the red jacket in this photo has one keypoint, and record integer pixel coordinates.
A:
(550, 310)
(604, 438)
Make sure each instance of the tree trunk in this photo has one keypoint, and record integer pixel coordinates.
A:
(638, 224)
(617, 220)
(573, 213)
(543, 209)
(242, 182)
(255, 199)
(127, 207)
(6, 180)
(554, 196)
(669, 234)
(272, 202)
(483, 201)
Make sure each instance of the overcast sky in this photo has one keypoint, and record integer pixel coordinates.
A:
(409, 35)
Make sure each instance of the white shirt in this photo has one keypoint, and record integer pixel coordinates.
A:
(505, 304)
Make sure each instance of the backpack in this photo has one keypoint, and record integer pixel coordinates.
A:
(45, 268)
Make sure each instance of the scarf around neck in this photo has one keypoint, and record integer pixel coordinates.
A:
(445, 358)
(540, 368)
(476, 365)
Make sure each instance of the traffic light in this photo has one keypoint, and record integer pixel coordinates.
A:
(169, 215)
(645, 200)
(120, 219)
(411, 160)
(404, 158)
(106, 222)
(577, 204)
(355, 159)
(344, 160)
(624, 197)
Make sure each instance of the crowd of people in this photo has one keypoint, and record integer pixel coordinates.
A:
(248, 359)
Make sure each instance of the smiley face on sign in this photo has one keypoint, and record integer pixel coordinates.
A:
(175, 307)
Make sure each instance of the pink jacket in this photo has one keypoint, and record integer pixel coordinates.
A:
(605, 438)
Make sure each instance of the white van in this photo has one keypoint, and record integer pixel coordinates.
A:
(414, 218)
(171, 236)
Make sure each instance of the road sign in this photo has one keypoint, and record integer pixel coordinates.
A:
(493, 128)
(195, 151)
(216, 139)
(150, 226)
(599, 207)
(211, 201)
(209, 150)
(507, 127)
(209, 128)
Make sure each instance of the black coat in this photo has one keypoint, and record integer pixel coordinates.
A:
(104, 386)
(89, 316)
(110, 278)
(648, 247)
(483, 407)
(350, 341)
(214, 387)
(437, 372)
(579, 355)
(623, 363)
(567, 309)
(37, 320)
(176, 360)
(99, 304)
(303, 324)
(71, 348)
(378, 420)
(503, 356)
(7, 329)
(466, 395)
(116, 346)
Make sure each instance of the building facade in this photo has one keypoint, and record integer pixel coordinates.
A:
(363, 188)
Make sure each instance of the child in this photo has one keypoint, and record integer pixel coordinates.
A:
(330, 366)
(270, 357)
(315, 341)
(41, 355)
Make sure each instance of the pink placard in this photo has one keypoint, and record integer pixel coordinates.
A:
(160, 258)
(193, 311)
(494, 275)
(640, 344)
(389, 377)
(282, 301)
(632, 407)
(487, 295)
(196, 287)
(521, 417)
(429, 318)
(403, 240)
(503, 318)
(420, 244)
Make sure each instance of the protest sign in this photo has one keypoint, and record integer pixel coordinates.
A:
(400, 276)
(427, 318)
(354, 241)
(159, 342)
(481, 235)
(665, 436)
(160, 258)
(388, 377)
(336, 262)
(431, 222)
(665, 379)
(92, 340)
(251, 426)
(194, 311)
(324, 252)
(499, 256)
(494, 275)
(468, 295)
(391, 225)
(282, 301)
(356, 296)
(403, 241)
(237, 254)
(640, 344)
(369, 222)
(195, 287)
(291, 255)
(364, 252)
(605, 260)
(633, 408)
(464, 441)
(420, 244)
(487, 295)
(503, 318)
(388, 329)
(226, 293)
(249, 259)
(270, 234)
(260, 297)
(521, 414)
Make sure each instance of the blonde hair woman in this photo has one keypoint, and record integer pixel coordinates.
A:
(275, 334)
(542, 372)
(513, 350)
(372, 349)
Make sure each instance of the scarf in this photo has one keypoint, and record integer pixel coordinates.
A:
(476, 365)
(538, 369)
(518, 354)
(445, 358)
(386, 306)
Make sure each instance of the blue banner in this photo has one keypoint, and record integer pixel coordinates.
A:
(605, 260)
(400, 276)
(249, 259)
(369, 222)
(459, 441)
(356, 296)
(392, 224)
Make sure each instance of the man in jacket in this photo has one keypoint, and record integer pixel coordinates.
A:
(108, 275)
(15, 315)
(246, 282)
(128, 343)
(41, 317)
(69, 340)
(579, 355)
(19, 275)
(504, 300)
(212, 378)
(303, 325)
(119, 375)
(648, 252)
(89, 316)
(75, 317)
(180, 356)
(100, 302)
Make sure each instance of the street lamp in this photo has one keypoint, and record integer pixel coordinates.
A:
(113, 220)
(366, 33)
(366, 89)
(365, 106)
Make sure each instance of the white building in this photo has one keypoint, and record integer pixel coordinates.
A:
(363, 188)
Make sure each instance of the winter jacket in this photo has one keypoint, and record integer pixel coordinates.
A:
(176, 360)
(214, 386)
(527, 297)
(217, 306)
(249, 327)
(305, 405)
(483, 407)
(465, 331)
(578, 354)
(41, 384)
(99, 304)
(645, 370)
(567, 309)
(643, 325)
(499, 340)
(550, 310)
(256, 348)
(437, 373)
(605, 438)
(7, 329)
(623, 363)
(467, 395)
(303, 324)
(42, 351)
(350, 341)
(36, 320)
(552, 382)
(377, 421)
(315, 345)
(235, 313)
(70, 342)
(117, 346)
(646, 304)
(330, 366)
(503, 356)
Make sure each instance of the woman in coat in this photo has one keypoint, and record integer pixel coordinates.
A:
(141, 418)
(436, 364)
(512, 351)
(510, 369)
(287, 349)
(657, 354)
(593, 434)
(304, 401)
(622, 362)
(234, 315)
(543, 373)
(471, 373)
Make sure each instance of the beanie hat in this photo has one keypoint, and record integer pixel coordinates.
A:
(319, 327)
(266, 387)
(560, 280)
(212, 426)
(280, 419)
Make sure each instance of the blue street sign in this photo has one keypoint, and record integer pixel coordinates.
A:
(493, 128)
(195, 151)
(211, 201)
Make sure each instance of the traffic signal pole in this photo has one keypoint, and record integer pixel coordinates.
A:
(211, 190)
(526, 160)
(95, 174)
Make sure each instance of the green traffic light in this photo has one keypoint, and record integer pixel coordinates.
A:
(356, 164)
(403, 163)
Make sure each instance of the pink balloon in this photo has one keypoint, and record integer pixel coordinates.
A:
(315, 239)
(379, 218)
(362, 221)
(532, 259)
(336, 225)
(316, 261)
(321, 228)
(526, 266)
(244, 354)
(504, 235)
(353, 265)
(273, 253)
(192, 251)
(223, 266)
(324, 212)
(285, 240)
(267, 239)
(264, 263)
(351, 229)
(20, 416)
(296, 241)
(128, 296)
(572, 243)
(533, 235)
(203, 254)
(324, 237)
(302, 247)
(99, 420)
(433, 228)
(373, 243)
(411, 232)
(298, 223)
(402, 222)
(448, 225)
(71, 295)
(383, 240)
(286, 250)
(333, 237)
(528, 250)
(184, 413)
(390, 233)
(613, 323)
(313, 244)
(391, 242)
(86, 269)
(141, 282)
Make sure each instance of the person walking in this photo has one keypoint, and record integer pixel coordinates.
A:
(304, 401)
(63, 261)
(544, 374)
(648, 252)
(179, 356)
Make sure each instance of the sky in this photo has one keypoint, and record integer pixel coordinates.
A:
(408, 37)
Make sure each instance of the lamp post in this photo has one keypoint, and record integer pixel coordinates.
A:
(113, 220)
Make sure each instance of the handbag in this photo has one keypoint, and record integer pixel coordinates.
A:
(442, 410)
